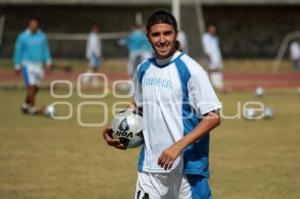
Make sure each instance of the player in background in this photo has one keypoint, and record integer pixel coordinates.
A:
(180, 108)
(138, 47)
(93, 54)
(212, 52)
(183, 41)
(31, 53)
(295, 55)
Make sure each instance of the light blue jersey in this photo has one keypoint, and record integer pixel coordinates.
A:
(136, 42)
(174, 94)
(31, 47)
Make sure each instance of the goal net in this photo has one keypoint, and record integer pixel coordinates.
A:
(73, 45)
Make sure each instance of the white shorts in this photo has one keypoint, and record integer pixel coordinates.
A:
(33, 73)
(162, 186)
(215, 62)
(171, 186)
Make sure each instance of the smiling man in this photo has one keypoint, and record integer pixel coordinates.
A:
(180, 108)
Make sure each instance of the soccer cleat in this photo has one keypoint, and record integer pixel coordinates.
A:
(25, 108)
(33, 110)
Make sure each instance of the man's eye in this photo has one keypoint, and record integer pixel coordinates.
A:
(168, 33)
(155, 34)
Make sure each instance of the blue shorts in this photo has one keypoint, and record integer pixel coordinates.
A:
(199, 187)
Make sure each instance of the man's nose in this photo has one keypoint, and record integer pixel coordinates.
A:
(162, 39)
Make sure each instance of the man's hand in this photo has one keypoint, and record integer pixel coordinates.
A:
(49, 67)
(107, 135)
(169, 155)
(207, 57)
(17, 72)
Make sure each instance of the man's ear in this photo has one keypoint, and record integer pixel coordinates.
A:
(147, 35)
(176, 34)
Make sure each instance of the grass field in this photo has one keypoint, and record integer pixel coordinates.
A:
(46, 158)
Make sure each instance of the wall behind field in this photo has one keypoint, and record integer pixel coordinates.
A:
(70, 19)
(253, 31)
(245, 31)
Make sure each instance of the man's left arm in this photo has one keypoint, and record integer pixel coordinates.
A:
(206, 104)
(47, 55)
(169, 155)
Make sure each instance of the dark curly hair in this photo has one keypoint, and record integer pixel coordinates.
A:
(162, 16)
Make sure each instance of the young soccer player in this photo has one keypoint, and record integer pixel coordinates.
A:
(31, 53)
(180, 108)
(212, 51)
(138, 47)
(93, 54)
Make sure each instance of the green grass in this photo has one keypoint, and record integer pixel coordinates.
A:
(258, 159)
(45, 158)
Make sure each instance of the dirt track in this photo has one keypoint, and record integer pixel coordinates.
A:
(235, 81)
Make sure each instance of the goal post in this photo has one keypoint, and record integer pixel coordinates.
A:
(283, 48)
(83, 36)
(2, 22)
(73, 45)
(176, 12)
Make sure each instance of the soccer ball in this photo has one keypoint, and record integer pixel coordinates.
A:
(128, 127)
(250, 114)
(259, 91)
(50, 111)
(268, 113)
(124, 87)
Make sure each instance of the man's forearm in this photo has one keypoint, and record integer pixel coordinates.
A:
(208, 123)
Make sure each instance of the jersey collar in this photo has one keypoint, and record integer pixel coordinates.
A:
(161, 63)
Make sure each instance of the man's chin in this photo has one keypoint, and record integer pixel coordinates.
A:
(163, 54)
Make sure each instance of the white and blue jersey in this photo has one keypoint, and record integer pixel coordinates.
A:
(174, 94)
(31, 48)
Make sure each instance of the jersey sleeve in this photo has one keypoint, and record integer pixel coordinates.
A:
(202, 95)
(100, 46)
(205, 43)
(137, 89)
(18, 51)
(123, 41)
(47, 54)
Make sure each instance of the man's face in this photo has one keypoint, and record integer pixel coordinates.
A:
(163, 37)
(212, 29)
(33, 25)
(95, 28)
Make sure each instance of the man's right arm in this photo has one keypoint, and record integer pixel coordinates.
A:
(205, 44)
(107, 133)
(19, 47)
(47, 53)
(136, 92)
